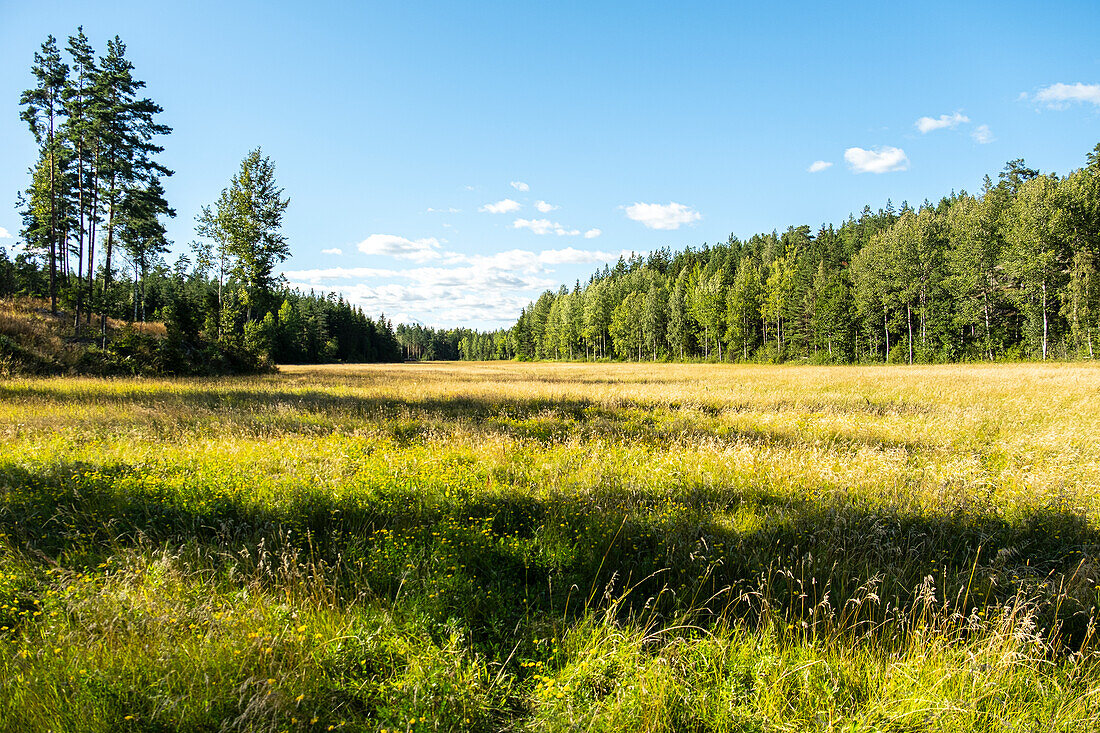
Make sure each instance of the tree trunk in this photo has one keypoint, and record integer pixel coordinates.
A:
(107, 274)
(91, 236)
(988, 339)
(80, 233)
(1045, 325)
(923, 318)
(909, 320)
(221, 277)
(53, 225)
(886, 330)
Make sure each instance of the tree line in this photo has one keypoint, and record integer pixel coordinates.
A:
(424, 343)
(1008, 273)
(95, 239)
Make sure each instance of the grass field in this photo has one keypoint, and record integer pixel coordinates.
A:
(553, 547)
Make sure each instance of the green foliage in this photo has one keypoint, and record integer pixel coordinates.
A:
(1008, 272)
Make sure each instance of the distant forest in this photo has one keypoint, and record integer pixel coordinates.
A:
(1009, 273)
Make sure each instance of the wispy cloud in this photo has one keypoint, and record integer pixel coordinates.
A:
(662, 216)
(532, 261)
(819, 165)
(928, 124)
(879, 160)
(502, 207)
(592, 233)
(545, 208)
(332, 251)
(982, 134)
(520, 186)
(448, 210)
(319, 275)
(1060, 96)
(486, 290)
(514, 261)
(544, 226)
(391, 245)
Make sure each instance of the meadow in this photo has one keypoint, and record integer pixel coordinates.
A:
(553, 547)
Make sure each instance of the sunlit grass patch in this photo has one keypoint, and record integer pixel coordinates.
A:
(503, 546)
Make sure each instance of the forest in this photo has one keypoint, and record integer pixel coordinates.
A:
(1007, 274)
(94, 237)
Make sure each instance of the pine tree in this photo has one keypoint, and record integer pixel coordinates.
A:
(125, 158)
(42, 111)
(80, 132)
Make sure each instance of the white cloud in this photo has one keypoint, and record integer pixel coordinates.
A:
(470, 290)
(538, 226)
(662, 216)
(391, 245)
(4, 233)
(317, 276)
(982, 134)
(544, 226)
(449, 210)
(1059, 96)
(879, 160)
(928, 124)
(502, 207)
(592, 233)
(332, 251)
(544, 207)
(819, 165)
(520, 186)
(532, 262)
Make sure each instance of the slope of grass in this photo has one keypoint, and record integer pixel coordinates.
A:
(553, 547)
(36, 342)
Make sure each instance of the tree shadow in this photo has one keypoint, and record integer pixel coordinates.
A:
(503, 559)
(537, 419)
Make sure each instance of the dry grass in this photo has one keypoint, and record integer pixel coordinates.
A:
(501, 546)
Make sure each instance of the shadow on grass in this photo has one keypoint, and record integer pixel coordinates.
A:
(501, 559)
(540, 419)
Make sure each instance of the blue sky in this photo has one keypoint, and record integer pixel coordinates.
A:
(418, 139)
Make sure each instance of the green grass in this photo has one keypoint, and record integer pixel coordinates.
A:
(553, 547)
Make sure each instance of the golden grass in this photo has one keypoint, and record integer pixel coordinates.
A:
(499, 546)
